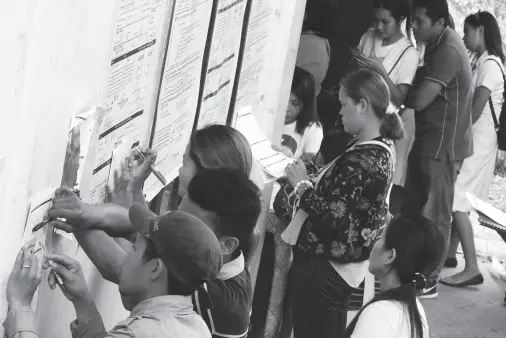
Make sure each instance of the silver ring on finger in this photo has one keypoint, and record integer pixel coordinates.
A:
(26, 266)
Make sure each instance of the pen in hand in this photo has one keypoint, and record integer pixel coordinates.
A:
(155, 172)
(59, 281)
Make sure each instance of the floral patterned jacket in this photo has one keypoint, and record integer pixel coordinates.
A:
(349, 205)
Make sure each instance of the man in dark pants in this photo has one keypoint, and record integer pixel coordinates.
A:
(442, 98)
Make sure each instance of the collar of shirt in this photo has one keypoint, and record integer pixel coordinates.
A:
(447, 29)
(481, 59)
(170, 303)
(232, 268)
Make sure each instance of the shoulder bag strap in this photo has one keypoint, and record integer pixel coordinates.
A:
(399, 59)
(378, 143)
(494, 116)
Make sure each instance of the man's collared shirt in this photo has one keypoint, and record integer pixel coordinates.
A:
(443, 129)
(163, 317)
(231, 296)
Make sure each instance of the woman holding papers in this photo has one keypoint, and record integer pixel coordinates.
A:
(340, 209)
(302, 134)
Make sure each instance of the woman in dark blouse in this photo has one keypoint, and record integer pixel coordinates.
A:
(341, 208)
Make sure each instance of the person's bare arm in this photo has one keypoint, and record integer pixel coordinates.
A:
(442, 69)
(424, 95)
(397, 92)
(104, 252)
(480, 100)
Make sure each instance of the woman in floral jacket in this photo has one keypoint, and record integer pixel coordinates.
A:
(341, 208)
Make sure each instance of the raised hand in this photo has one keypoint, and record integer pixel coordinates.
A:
(74, 285)
(23, 280)
(67, 205)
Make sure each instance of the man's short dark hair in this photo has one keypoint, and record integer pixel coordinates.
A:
(436, 9)
(233, 197)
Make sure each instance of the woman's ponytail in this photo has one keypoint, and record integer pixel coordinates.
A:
(392, 127)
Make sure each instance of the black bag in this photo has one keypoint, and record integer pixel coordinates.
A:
(284, 201)
(500, 124)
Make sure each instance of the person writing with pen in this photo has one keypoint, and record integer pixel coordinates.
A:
(214, 186)
(172, 256)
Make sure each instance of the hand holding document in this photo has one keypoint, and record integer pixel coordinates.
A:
(271, 161)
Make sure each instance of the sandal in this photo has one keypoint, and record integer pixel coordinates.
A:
(476, 280)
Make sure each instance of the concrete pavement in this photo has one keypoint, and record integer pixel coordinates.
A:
(472, 312)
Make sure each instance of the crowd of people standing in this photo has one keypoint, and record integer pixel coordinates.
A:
(391, 203)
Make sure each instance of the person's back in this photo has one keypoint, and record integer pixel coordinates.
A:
(229, 203)
(159, 317)
(444, 126)
(232, 295)
(388, 319)
(408, 249)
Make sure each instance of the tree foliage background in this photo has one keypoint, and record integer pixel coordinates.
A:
(460, 9)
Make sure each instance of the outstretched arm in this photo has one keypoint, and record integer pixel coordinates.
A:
(104, 252)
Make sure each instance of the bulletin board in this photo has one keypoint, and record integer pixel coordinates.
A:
(159, 69)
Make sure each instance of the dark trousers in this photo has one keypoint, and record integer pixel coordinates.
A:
(320, 298)
(429, 191)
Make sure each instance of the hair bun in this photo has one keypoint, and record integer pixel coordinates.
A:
(419, 281)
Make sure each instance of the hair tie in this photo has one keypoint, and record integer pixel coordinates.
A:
(419, 280)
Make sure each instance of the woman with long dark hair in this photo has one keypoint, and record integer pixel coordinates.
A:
(483, 37)
(409, 249)
(302, 134)
(340, 208)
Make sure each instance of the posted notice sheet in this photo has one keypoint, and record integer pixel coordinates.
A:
(179, 90)
(130, 83)
(222, 64)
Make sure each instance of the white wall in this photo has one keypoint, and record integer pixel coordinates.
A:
(53, 63)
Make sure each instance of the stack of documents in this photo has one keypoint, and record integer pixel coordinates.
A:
(271, 161)
(489, 216)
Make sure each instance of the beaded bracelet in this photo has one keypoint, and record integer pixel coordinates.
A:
(302, 186)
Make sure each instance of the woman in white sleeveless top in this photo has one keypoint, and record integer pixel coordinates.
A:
(386, 49)
(482, 36)
(409, 249)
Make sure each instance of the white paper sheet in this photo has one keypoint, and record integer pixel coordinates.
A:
(222, 65)
(40, 204)
(271, 161)
(131, 82)
(179, 90)
(255, 54)
(487, 209)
